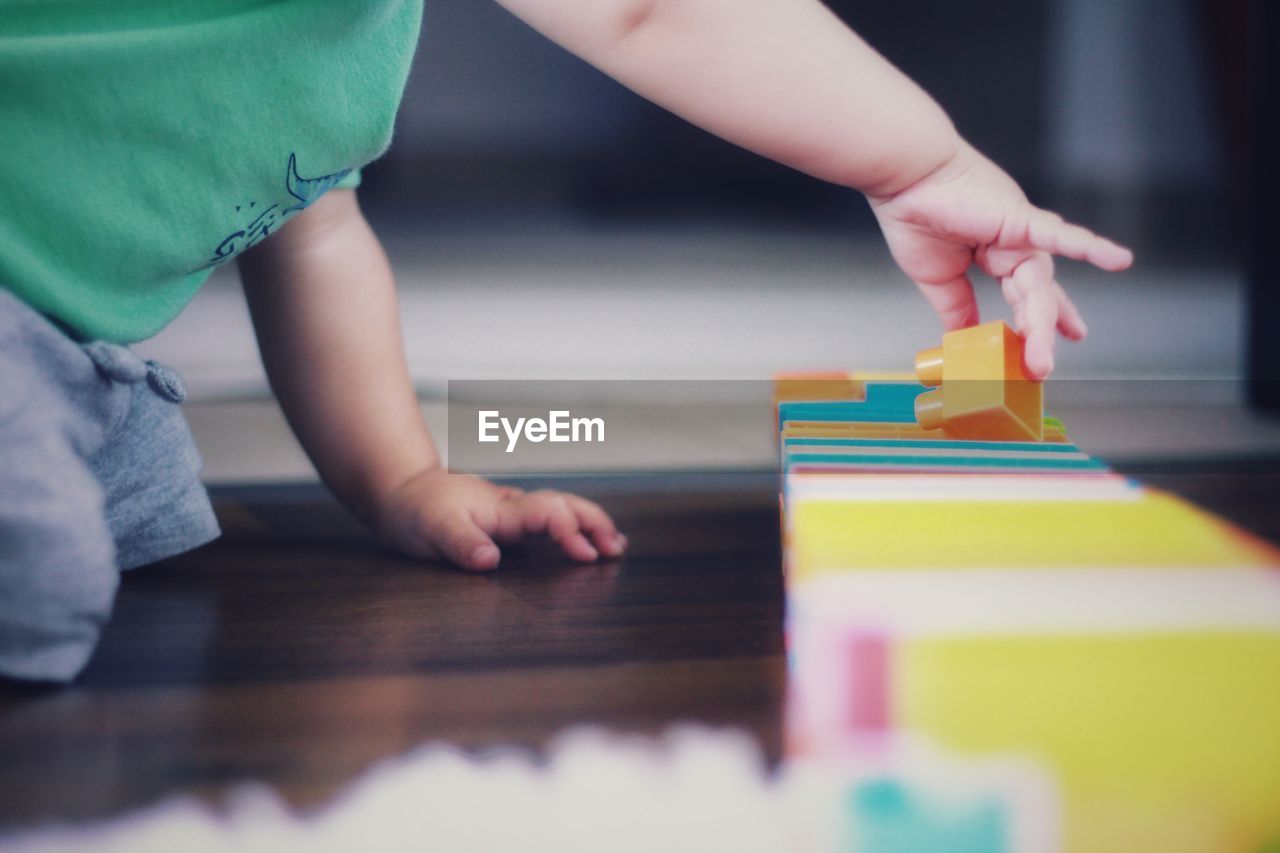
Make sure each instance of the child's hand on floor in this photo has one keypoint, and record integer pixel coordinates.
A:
(463, 518)
(970, 212)
(323, 300)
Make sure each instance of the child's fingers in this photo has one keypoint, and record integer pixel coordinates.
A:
(549, 512)
(1070, 323)
(1032, 292)
(604, 533)
(953, 300)
(1048, 232)
(463, 542)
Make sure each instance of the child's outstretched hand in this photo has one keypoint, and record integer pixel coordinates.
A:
(463, 518)
(970, 212)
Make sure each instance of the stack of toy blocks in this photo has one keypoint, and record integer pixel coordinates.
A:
(1008, 645)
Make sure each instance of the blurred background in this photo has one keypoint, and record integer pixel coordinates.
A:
(546, 223)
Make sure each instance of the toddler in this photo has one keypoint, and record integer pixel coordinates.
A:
(144, 144)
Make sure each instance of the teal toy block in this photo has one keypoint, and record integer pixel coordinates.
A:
(932, 444)
(976, 463)
(887, 816)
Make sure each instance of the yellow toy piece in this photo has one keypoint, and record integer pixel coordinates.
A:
(830, 386)
(981, 391)
(814, 387)
(1052, 434)
(1160, 741)
(1158, 531)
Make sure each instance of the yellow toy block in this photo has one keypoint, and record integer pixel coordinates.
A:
(1158, 531)
(981, 391)
(1053, 434)
(830, 386)
(814, 387)
(1160, 741)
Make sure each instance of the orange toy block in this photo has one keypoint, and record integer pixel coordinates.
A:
(810, 387)
(980, 389)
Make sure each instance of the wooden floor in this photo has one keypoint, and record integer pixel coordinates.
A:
(295, 652)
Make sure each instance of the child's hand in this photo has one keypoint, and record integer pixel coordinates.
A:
(969, 211)
(462, 518)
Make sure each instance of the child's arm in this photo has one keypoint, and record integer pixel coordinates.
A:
(324, 306)
(786, 79)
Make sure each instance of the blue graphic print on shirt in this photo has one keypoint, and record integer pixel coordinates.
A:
(302, 192)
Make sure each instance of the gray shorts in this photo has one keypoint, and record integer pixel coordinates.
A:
(98, 473)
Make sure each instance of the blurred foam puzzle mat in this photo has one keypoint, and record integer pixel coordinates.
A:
(1008, 604)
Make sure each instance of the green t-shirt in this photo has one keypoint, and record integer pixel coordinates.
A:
(144, 143)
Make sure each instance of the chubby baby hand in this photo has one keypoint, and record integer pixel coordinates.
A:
(969, 212)
(463, 519)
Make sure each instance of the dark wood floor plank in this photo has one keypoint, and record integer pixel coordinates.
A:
(297, 652)
(85, 753)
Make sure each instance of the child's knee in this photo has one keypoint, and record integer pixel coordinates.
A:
(58, 573)
(59, 586)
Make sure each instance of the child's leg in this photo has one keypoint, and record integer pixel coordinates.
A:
(57, 557)
(97, 472)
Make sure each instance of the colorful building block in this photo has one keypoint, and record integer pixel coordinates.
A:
(1053, 432)
(981, 390)
(882, 403)
(1008, 645)
(888, 816)
(813, 387)
(849, 454)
